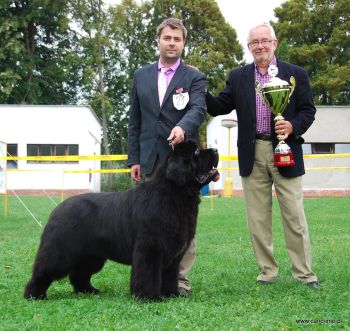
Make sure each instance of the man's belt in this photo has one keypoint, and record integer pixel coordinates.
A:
(263, 136)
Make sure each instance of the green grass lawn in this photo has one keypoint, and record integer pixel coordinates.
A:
(225, 294)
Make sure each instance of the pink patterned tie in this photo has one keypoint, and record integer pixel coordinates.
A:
(162, 84)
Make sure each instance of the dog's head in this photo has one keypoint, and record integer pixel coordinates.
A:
(188, 165)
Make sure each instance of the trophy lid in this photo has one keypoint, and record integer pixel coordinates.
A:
(275, 82)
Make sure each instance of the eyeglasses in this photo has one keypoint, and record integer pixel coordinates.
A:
(256, 43)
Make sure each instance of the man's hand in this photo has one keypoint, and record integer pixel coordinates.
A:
(136, 173)
(283, 129)
(177, 135)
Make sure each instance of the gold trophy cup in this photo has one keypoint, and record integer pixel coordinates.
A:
(276, 94)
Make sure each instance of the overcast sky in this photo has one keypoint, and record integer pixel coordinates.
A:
(242, 15)
(247, 14)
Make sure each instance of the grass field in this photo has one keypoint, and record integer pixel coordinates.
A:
(225, 294)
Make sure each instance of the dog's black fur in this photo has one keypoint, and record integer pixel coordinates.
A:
(148, 227)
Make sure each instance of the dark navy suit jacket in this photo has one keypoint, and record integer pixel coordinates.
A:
(239, 94)
(150, 124)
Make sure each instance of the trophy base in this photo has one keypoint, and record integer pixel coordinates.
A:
(284, 160)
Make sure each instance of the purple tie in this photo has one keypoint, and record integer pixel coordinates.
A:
(162, 83)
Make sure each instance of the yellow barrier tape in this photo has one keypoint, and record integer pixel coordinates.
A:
(308, 156)
(102, 171)
(106, 171)
(315, 168)
(324, 156)
(62, 158)
(329, 168)
(226, 157)
(124, 157)
(70, 171)
(33, 170)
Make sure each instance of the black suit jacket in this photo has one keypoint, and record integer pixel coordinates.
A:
(150, 124)
(239, 94)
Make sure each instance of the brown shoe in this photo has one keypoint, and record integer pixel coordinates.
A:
(184, 292)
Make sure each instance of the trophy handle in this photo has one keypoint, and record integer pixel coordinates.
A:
(293, 82)
(257, 87)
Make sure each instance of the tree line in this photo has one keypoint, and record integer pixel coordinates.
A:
(85, 52)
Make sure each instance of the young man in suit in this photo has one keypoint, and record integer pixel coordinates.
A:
(168, 106)
(256, 141)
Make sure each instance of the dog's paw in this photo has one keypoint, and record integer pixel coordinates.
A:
(87, 290)
(146, 298)
(170, 295)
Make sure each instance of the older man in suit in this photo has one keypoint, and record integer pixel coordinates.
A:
(256, 140)
(168, 106)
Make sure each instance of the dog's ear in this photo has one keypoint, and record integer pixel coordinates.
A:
(187, 148)
(175, 173)
(191, 146)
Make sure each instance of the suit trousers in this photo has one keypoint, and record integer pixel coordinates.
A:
(190, 255)
(257, 189)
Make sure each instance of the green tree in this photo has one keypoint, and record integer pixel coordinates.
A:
(93, 44)
(36, 65)
(315, 35)
(110, 46)
(133, 47)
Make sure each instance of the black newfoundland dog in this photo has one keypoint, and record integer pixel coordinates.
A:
(148, 227)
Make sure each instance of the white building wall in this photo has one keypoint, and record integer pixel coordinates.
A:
(331, 125)
(217, 137)
(24, 125)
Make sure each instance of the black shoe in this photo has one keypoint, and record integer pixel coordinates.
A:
(184, 292)
(314, 284)
(264, 282)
